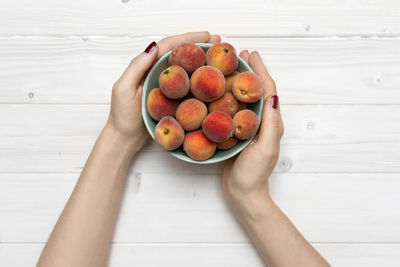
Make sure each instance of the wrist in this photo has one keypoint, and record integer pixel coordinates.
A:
(123, 143)
(251, 205)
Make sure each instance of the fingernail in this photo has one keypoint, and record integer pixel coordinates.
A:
(150, 47)
(274, 101)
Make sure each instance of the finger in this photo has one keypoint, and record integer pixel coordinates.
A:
(245, 55)
(271, 129)
(169, 43)
(257, 65)
(214, 39)
(138, 67)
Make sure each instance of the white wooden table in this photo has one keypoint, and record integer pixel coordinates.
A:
(337, 67)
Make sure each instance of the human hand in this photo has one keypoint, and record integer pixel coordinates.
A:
(245, 178)
(125, 116)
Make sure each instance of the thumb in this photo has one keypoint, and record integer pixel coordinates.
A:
(271, 129)
(138, 67)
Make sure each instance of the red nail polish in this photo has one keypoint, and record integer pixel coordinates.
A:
(274, 101)
(150, 47)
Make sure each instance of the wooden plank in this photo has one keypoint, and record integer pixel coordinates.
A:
(218, 255)
(177, 255)
(251, 18)
(69, 153)
(58, 138)
(307, 71)
(333, 124)
(191, 208)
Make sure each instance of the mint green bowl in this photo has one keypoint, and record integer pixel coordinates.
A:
(151, 82)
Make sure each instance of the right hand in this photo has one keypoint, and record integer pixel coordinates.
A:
(245, 178)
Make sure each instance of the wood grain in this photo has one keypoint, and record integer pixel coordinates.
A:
(243, 18)
(336, 64)
(212, 255)
(307, 71)
(191, 208)
(334, 139)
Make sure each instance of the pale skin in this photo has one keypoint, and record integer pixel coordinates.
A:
(245, 183)
(83, 233)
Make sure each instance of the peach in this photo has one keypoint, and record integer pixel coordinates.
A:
(246, 124)
(218, 126)
(189, 56)
(197, 146)
(207, 83)
(228, 143)
(158, 105)
(169, 133)
(174, 82)
(227, 104)
(228, 83)
(222, 56)
(246, 87)
(191, 113)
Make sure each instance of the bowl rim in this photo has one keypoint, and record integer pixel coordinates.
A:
(185, 157)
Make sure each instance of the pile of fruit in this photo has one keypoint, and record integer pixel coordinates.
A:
(180, 103)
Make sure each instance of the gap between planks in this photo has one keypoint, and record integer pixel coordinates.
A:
(60, 36)
(200, 173)
(217, 243)
(108, 103)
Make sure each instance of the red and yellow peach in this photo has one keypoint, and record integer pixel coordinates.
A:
(207, 83)
(227, 104)
(158, 105)
(169, 133)
(174, 82)
(197, 146)
(222, 56)
(228, 143)
(187, 55)
(218, 126)
(191, 113)
(228, 82)
(246, 124)
(246, 87)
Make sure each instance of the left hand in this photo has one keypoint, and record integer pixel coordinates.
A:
(126, 114)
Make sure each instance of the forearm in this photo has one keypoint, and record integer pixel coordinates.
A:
(277, 240)
(84, 230)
